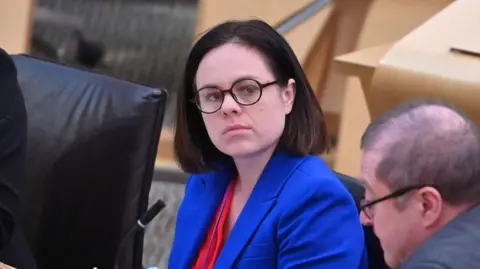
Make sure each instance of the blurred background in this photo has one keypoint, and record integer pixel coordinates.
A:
(338, 42)
(143, 41)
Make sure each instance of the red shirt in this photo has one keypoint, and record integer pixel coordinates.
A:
(213, 244)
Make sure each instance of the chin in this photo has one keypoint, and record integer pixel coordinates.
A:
(239, 152)
(392, 261)
(240, 149)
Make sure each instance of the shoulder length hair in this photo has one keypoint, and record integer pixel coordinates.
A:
(305, 130)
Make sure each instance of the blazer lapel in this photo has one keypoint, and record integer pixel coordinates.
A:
(202, 213)
(258, 206)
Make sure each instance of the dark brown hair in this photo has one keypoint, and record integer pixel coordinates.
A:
(305, 130)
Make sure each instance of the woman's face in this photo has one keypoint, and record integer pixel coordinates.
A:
(242, 130)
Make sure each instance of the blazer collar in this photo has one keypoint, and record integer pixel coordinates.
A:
(261, 201)
(268, 186)
(204, 206)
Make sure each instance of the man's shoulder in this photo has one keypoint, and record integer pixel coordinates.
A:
(426, 265)
(431, 256)
(454, 246)
(445, 253)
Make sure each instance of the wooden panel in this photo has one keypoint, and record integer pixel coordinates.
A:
(301, 38)
(16, 25)
(423, 64)
(355, 118)
(388, 21)
(212, 12)
(362, 63)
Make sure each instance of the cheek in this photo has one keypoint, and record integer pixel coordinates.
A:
(384, 222)
(390, 227)
(212, 125)
(268, 120)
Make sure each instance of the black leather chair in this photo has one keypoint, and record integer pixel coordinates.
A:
(375, 252)
(91, 148)
(13, 136)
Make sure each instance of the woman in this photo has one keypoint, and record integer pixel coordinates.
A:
(248, 126)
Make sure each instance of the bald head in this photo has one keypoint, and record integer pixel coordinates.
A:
(424, 142)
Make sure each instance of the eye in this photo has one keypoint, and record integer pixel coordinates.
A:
(213, 96)
(209, 95)
(248, 89)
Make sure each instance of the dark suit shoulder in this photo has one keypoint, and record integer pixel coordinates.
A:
(427, 265)
(455, 246)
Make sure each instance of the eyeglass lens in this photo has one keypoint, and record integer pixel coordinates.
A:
(244, 92)
(368, 211)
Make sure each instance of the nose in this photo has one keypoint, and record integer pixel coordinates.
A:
(229, 106)
(365, 220)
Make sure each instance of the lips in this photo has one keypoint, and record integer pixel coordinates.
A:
(235, 127)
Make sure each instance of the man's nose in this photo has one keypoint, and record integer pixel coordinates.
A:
(229, 105)
(365, 220)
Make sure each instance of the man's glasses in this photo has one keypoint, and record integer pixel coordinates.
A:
(367, 206)
(245, 92)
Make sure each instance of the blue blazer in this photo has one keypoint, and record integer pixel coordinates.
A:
(299, 215)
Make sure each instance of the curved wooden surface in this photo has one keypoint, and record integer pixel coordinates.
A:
(339, 34)
(213, 12)
(16, 22)
(388, 21)
(440, 59)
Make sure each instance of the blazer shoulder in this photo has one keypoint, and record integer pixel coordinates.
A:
(318, 220)
(201, 181)
(313, 166)
(195, 181)
(313, 178)
(314, 172)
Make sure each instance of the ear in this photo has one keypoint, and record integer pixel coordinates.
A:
(431, 205)
(288, 95)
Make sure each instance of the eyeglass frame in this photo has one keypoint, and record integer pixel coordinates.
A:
(230, 91)
(395, 194)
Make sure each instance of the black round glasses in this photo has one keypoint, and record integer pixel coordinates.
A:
(368, 206)
(245, 92)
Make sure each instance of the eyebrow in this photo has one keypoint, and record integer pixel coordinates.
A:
(211, 85)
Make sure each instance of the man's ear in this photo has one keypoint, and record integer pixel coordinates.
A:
(431, 205)
(288, 95)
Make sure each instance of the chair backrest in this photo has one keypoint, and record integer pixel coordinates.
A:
(92, 142)
(13, 137)
(375, 252)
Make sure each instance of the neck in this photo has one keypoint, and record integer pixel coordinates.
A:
(450, 212)
(250, 169)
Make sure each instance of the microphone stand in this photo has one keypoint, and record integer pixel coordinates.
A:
(151, 213)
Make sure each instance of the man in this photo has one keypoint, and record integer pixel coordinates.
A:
(421, 172)
(13, 134)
